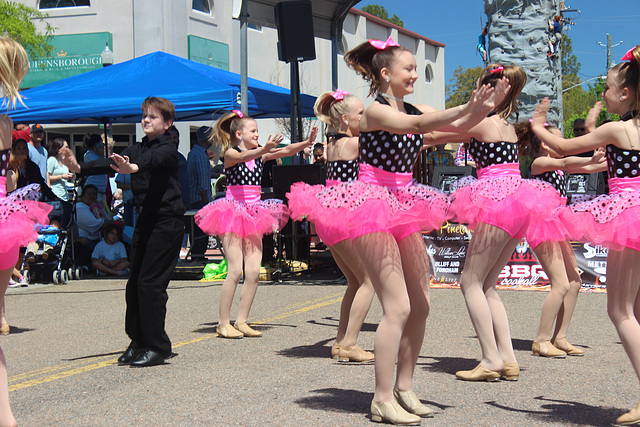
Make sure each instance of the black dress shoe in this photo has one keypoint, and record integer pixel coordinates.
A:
(130, 353)
(149, 357)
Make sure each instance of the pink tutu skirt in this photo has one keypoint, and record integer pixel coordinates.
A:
(611, 220)
(377, 201)
(243, 213)
(500, 197)
(20, 213)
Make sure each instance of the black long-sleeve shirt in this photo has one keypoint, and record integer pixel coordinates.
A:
(155, 187)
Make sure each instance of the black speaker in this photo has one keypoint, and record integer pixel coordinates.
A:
(295, 31)
(285, 175)
(445, 176)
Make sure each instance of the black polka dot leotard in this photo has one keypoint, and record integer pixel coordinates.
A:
(244, 173)
(388, 151)
(492, 153)
(342, 170)
(622, 163)
(556, 178)
(242, 212)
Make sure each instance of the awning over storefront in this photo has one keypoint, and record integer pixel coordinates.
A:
(114, 94)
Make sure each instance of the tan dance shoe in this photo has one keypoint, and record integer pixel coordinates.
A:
(354, 354)
(335, 349)
(5, 329)
(566, 346)
(409, 401)
(247, 330)
(546, 349)
(630, 418)
(392, 413)
(227, 331)
(479, 373)
(510, 372)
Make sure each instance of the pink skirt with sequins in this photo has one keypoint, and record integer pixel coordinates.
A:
(611, 220)
(243, 213)
(502, 198)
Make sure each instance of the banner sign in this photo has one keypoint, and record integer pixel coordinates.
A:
(447, 249)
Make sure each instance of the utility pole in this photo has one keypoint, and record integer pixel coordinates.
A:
(608, 46)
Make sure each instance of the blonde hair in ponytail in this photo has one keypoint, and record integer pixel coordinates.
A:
(223, 134)
(330, 111)
(14, 64)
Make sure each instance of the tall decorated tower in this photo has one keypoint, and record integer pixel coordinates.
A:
(519, 34)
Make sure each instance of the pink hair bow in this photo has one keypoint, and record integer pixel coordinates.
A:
(629, 55)
(496, 70)
(238, 113)
(339, 94)
(379, 44)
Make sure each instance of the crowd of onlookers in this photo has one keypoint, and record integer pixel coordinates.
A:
(104, 207)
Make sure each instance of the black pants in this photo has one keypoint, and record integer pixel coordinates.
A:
(199, 240)
(155, 249)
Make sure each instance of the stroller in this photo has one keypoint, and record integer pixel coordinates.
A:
(58, 263)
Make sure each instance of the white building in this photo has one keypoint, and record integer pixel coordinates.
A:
(204, 31)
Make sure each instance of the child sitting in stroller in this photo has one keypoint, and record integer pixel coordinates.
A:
(47, 239)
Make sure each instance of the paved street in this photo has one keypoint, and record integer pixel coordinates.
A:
(65, 340)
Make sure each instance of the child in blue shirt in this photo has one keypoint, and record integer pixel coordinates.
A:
(109, 257)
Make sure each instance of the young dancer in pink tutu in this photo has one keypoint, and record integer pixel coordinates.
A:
(613, 220)
(341, 111)
(241, 218)
(385, 211)
(499, 207)
(19, 213)
(550, 244)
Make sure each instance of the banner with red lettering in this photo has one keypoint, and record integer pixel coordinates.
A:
(447, 249)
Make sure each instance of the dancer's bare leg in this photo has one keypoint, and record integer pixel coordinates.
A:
(252, 253)
(6, 416)
(623, 283)
(358, 296)
(415, 264)
(380, 257)
(498, 312)
(232, 245)
(550, 256)
(484, 255)
(571, 298)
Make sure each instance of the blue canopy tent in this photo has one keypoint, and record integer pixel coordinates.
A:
(113, 94)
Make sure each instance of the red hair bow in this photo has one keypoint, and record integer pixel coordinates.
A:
(238, 113)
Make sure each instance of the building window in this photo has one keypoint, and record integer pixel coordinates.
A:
(53, 4)
(203, 6)
(428, 73)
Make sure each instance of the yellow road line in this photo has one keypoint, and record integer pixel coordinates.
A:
(311, 305)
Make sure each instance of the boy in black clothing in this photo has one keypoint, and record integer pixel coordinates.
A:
(153, 165)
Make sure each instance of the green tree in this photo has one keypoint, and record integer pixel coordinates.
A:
(461, 86)
(381, 12)
(17, 22)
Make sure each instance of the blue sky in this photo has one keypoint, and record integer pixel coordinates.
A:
(457, 24)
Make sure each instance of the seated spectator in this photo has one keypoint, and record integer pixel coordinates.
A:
(89, 226)
(110, 256)
(47, 239)
(22, 171)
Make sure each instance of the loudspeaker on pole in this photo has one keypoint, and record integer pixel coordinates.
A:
(294, 21)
